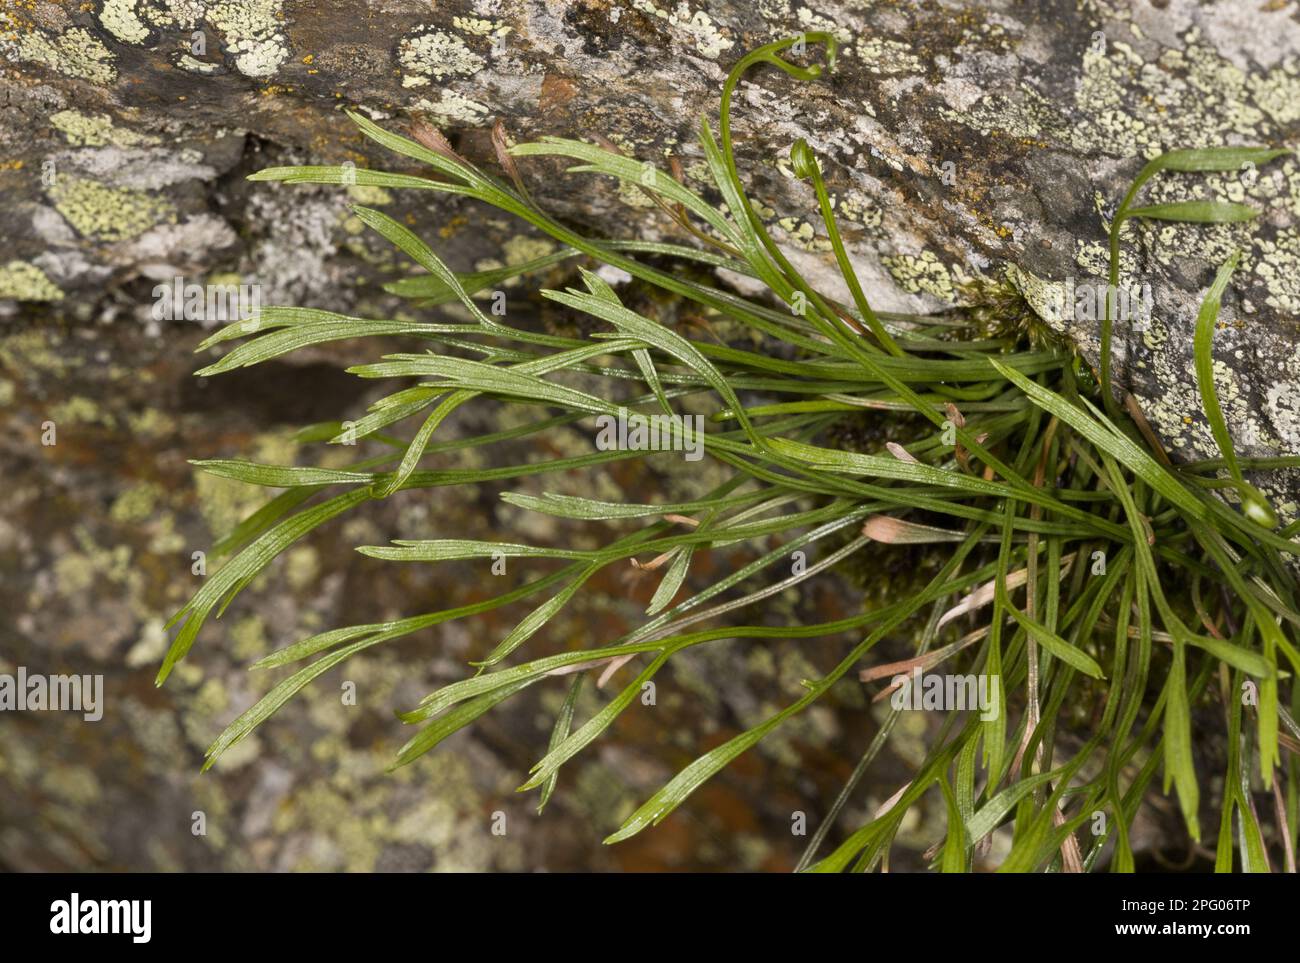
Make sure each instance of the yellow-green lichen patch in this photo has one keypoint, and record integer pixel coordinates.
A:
(80, 410)
(697, 26)
(302, 566)
(96, 561)
(73, 783)
(137, 504)
(22, 281)
(1044, 296)
(1278, 266)
(195, 66)
(39, 352)
(96, 130)
(225, 502)
(248, 639)
(810, 22)
(803, 235)
(1283, 398)
(108, 213)
(74, 53)
(522, 248)
(882, 56)
(453, 109)
(494, 30)
(119, 18)
(1188, 96)
(369, 195)
(1024, 114)
(924, 272)
(427, 53)
(254, 35)
(151, 424)
(857, 208)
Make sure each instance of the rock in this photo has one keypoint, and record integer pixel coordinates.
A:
(959, 139)
(97, 540)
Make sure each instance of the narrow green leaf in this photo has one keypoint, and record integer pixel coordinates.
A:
(1056, 645)
(1197, 212)
(955, 843)
(1216, 158)
(563, 725)
(1179, 769)
(1108, 439)
(671, 582)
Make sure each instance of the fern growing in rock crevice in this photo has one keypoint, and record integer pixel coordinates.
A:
(1019, 486)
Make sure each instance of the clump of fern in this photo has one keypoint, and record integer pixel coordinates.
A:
(1072, 561)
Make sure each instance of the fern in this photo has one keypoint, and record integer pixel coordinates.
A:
(1021, 484)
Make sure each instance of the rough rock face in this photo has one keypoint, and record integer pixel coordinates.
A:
(961, 140)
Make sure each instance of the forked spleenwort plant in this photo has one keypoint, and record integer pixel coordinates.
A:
(1025, 478)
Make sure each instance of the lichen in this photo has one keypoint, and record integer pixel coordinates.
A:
(427, 53)
(74, 53)
(923, 272)
(696, 25)
(248, 638)
(23, 281)
(453, 109)
(96, 130)
(254, 35)
(108, 213)
(481, 27)
(368, 195)
(119, 18)
(883, 56)
(522, 248)
(80, 410)
(137, 504)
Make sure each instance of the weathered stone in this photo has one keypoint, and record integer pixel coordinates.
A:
(959, 139)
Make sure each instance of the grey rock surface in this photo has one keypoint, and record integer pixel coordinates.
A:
(962, 141)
